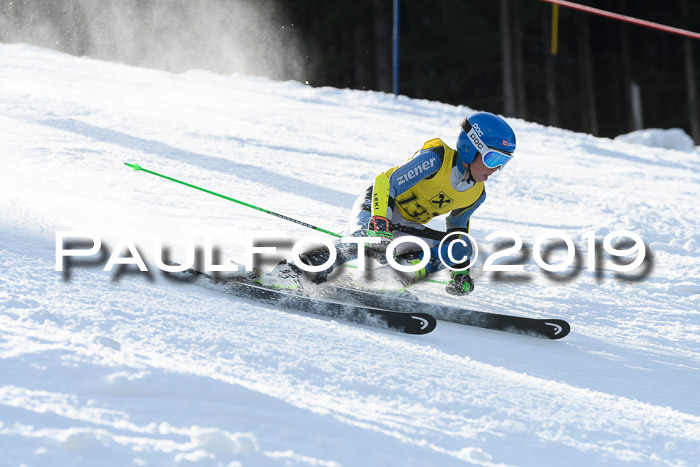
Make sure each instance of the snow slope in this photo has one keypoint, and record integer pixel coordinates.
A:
(114, 369)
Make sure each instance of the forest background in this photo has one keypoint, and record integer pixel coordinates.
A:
(493, 55)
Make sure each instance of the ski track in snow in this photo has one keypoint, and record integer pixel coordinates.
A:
(135, 369)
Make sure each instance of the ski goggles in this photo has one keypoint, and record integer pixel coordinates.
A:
(492, 158)
(495, 159)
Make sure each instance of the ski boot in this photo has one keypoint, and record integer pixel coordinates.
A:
(284, 276)
(409, 278)
(460, 284)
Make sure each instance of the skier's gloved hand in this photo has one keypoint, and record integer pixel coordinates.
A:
(379, 227)
(460, 284)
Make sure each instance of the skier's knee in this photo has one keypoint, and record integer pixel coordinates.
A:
(461, 250)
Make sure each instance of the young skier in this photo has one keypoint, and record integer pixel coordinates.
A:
(437, 180)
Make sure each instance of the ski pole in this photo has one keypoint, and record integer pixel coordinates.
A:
(138, 168)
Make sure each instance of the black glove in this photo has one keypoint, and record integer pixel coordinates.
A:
(460, 284)
(379, 227)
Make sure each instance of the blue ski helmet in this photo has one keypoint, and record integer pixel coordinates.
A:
(493, 131)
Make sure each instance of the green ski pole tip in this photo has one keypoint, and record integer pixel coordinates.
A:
(136, 167)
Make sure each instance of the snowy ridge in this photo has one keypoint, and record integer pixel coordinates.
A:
(136, 369)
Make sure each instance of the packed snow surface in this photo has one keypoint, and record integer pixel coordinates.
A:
(100, 368)
(672, 138)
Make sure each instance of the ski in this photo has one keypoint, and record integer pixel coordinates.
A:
(544, 328)
(367, 314)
